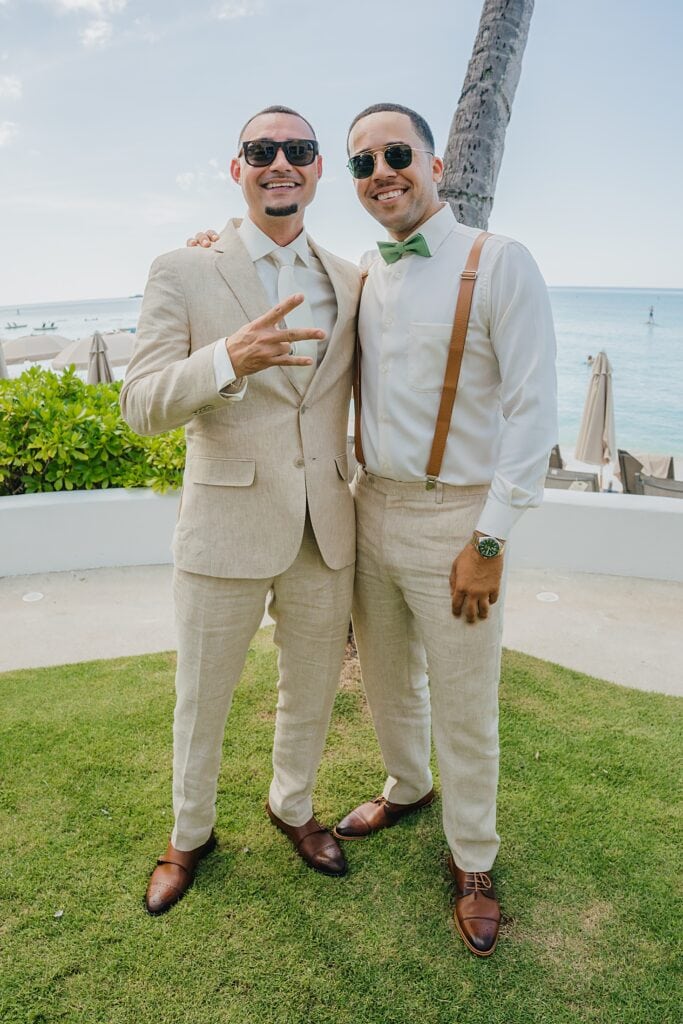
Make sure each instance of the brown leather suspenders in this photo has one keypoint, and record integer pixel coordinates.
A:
(450, 384)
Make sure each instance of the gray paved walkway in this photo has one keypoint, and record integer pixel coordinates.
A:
(625, 630)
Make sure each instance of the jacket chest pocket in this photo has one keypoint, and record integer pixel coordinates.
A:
(427, 355)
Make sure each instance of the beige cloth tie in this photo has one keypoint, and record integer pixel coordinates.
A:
(301, 316)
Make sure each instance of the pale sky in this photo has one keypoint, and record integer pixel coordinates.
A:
(118, 119)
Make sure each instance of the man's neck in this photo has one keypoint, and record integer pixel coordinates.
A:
(401, 236)
(282, 230)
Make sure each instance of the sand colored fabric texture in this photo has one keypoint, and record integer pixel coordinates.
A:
(311, 606)
(414, 653)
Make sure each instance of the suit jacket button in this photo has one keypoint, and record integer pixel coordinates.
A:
(299, 462)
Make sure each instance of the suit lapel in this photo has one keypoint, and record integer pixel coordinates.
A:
(344, 298)
(239, 273)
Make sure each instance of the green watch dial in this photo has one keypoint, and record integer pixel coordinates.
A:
(488, 547)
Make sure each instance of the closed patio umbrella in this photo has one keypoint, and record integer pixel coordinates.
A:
(99, 367)
(3, 365)
(596, 443)
(119, 350)
(34, 347)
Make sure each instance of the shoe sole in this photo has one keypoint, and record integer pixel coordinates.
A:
(374, 831)
(170, 906)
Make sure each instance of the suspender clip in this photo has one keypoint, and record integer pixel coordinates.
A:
(469, 275)
(431, 483)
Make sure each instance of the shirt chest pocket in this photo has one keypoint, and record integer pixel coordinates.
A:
(427, 355)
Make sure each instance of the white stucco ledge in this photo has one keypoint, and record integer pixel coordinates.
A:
(85, 530)
(612, 534)
(609, 534)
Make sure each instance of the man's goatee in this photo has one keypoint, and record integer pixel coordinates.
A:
(282, 211)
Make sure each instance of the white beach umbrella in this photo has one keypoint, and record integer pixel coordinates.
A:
(596, 443)
(33, 347)
(119, 350)
(99, 367)
(3, 365)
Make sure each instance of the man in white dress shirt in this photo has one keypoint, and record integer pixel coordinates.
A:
(266, 507)
(430, 553)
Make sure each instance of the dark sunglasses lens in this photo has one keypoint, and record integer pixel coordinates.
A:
(398, 157)
(362, 166)
(300, 152)
(259, 154)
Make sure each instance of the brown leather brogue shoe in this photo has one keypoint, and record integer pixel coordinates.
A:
(173, 876)
(375, 815)
(477, 912)
(314, 844)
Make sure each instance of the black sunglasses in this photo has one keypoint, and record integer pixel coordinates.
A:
(398, 156)
(262, 152)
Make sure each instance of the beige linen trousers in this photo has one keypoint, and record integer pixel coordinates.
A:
(265, 507)
(423, 666)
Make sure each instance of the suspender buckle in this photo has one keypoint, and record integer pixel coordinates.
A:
(469, 275)
(431, 483)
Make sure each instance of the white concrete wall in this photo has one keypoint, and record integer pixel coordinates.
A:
(85, 530)
(612, 534)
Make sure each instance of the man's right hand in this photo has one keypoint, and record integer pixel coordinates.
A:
(261, 344)
(204, 238)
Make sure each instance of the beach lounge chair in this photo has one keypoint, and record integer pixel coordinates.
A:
(660, 488)
(571, 480)
(556, 460)
(630, 467)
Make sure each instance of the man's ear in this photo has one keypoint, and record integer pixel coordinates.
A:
(235, 170)
(319, 165)
(437, 169)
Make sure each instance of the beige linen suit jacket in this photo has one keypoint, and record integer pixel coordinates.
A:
(252, 465)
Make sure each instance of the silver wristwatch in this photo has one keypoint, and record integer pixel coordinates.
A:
(488, 547)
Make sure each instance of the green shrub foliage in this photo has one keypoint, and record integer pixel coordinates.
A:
(57, 433)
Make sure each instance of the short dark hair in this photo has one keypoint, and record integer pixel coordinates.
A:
(275, 110)
(418, 122)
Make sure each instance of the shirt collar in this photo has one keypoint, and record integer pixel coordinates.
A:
(258, 244)
(437, 228)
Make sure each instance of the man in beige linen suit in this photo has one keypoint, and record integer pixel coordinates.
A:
(265, 506)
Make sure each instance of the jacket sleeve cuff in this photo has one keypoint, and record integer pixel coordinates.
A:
(227, 385)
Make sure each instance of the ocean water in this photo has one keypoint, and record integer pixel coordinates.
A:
(647, 359)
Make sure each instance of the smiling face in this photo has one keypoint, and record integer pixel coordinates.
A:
(400, 200)
(277, 195)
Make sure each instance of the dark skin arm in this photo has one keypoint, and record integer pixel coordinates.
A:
(475, 583)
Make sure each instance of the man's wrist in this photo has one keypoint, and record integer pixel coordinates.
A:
(486, 546)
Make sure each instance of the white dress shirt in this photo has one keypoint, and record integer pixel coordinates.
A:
(312, 280)
(504, 419)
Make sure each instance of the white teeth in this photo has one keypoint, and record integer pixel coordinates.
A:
(281, 184)
(390, 195)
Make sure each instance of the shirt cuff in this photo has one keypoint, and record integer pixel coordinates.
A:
(497, 520)
(227, 384)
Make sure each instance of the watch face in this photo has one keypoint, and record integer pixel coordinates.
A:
(488, 547)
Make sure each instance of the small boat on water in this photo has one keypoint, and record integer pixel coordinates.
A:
(13, 326)
(52, 326)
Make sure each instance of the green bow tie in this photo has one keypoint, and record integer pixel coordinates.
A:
(392, 251)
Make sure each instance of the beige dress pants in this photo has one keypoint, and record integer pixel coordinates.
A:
(411, 648)
(216, 620)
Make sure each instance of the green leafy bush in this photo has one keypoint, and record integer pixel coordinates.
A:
(57, 433)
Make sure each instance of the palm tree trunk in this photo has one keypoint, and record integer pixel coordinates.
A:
(477, 137)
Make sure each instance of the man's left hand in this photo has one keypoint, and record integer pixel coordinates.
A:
(475, 583)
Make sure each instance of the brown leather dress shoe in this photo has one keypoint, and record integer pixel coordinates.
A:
(477, 912)
(173, 876)
(375, 815)
(314, 844)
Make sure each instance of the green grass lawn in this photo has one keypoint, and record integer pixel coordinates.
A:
(587, 871)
